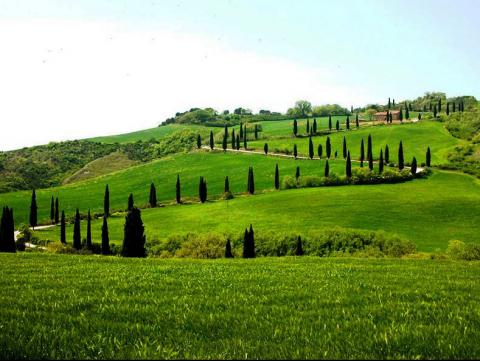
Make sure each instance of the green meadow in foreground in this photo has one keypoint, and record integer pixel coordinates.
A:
(430, 212)
(63, 306)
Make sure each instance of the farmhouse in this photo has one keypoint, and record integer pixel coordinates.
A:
(382, 116)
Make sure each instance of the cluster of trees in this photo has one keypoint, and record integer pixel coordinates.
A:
(304, 108)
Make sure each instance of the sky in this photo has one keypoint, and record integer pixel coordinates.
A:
(74, 69)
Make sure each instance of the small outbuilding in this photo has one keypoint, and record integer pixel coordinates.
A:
(382, 116)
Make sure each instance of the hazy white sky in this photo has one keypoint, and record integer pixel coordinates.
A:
(74, 69)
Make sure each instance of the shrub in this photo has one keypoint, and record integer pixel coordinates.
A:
(203, 246)
(460, 251)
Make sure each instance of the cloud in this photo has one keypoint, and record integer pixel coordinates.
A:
(69, 80)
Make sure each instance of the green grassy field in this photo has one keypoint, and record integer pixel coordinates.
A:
(62, 307)
(212, 165)
(429, 211)
(416, 138)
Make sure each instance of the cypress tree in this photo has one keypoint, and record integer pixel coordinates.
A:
(225, 131)
(400, 116)
(89, 231)
(419, 116)
(429, 157)
(7, 231)
(202, 190)
(389, 103)
(277, 177)
(199, 141)
(233, 138)
(391, 118)
(407, 112)
(212, 143)
(435, 111)
(454, 105)
(130, 202)
(106, 202)
(394, 103)
(348, 122)
(357, 123)
(330, 122)
(134, 238)
(57, 215)
(348, 170)
(299, 247)
(297, 173)
(310, 148)
(413, 167)
(327, 169)
(400, 156)
(336, 154)
(241, 131)
(105, 237)
(424, 108)
(370, 162)
(362, 153)
(33, 210)
(387, 155)
(250, 181)
(153, 196)
(388, 116)
(439, 105)
(224, 143)
(77, 239)
(314, 125)
(320, 151)
(295, 127)
(52, 211)
(63, 236)
(178, 197)
(245, 140)
(337, 125)
(380, 163)
(344, 148)
(265, 148)
(256, 131)
(448, 109)
(308, 126)
(227, 185)
(295, 153)
(238, 142)
(328, 148)
(249, 244)
(228, 250)
(369, 146)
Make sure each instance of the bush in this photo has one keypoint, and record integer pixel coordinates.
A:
(202, 246)
(460, 251)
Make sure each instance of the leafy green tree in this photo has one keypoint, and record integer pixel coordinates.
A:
(33, 210)
(428, 156)
(303, 107)
(134, 238)
(310, 148)
(295, 153)
(380, 162)
(130, 202)
(212, 143)
(401, 164)
(152, 199)
(265, 148)
(320, 151)
(178, 196)
(106, 202)
(277, 177)
(348, 168)
(344, 146)
(295, 127)
(89, 231)
(327, 169)
(63, 236)
(52, 210)
(199, 141)
(328, 148)
(299, 247)
(57, 215)
(228, 250)
(77, 239)
(105, 238)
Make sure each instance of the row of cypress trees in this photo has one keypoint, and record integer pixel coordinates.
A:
(312, 130)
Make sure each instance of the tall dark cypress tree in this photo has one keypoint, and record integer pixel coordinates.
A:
(212, 143)
(362, 153)
(245, 139)
(256, 131)
(277, 177)
(320, 151)
(250, 181)
(314, 125)
(308, 126)
(224, 143)
(413, 167)
(89, 231)
(228, 250)
(105, 238)
(297, 173)
(178, 197)
(233, 138)
(265, 148)
(63, 235)
(369, 147)
(225, 131)
(130, 202)
(295, 127)
(106, 202)
(387, 155)
(330, 122)
(448, 109)
(77, 238)
(33, 210)
(400, 156)
(348, 168)
(7, 231)
(227, 185)
(380, 162)
(57, 215)
(311, 152)
(52, 211)
(344, 148)
(299, 247)
(153, 196)
(328, 148)
(357, 123)
(370, 162)
(202, 190)
(249, 243)
(434, 111)
(337, 125)
(327, 169)
(439, 105)
(199, 141)
(454, 105)
(389, 104)
(428, 157)
(400, 116)
(238, 142)
(241, 131)
(347, 122)
(407, 112)
(295, 152)
(134, 237)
